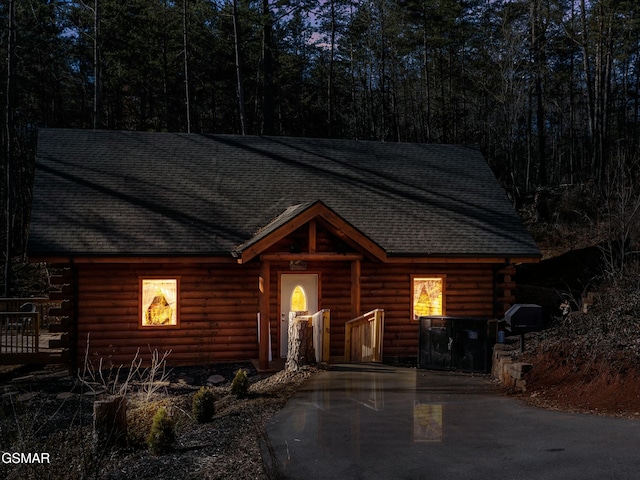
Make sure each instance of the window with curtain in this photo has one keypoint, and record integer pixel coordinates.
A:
(428, 297)
(159, 302)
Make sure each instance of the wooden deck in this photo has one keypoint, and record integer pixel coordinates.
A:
(23, 339)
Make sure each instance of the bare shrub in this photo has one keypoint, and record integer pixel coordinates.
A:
(102, 378)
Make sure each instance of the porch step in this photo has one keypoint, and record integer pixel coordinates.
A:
(62, 342)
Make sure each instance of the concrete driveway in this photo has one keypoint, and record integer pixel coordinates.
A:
(381, 422)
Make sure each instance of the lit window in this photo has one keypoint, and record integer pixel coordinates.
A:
(428, 294)
(159, 302)
(298, 300)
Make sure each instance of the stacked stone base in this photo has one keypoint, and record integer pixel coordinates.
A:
(508, 370)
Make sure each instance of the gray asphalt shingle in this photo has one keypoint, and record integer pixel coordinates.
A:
(140, 193)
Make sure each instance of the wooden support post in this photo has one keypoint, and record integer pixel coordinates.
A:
(326, 341)
(355, 288)
(312, 236)
(265, 288)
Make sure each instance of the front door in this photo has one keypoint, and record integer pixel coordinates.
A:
(298, 296)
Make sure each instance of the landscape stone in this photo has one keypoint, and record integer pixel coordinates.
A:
(216, 379)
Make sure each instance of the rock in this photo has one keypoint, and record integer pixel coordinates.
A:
(25, 397)
(65, 396)
(216, 379)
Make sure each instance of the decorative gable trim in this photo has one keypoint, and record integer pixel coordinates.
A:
(295, 217)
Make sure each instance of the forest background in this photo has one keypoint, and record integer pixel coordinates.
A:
(549, 89)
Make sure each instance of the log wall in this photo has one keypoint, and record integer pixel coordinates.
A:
(217, 313)
(219, 303)
(469, 292)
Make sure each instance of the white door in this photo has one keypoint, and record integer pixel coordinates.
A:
(298, 296)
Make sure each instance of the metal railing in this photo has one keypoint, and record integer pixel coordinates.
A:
(364, 337)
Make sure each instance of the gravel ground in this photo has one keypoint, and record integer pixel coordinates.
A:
(50, 411)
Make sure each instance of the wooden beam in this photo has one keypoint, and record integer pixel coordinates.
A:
(319, 257)
(355, 288)
(312, 236)
(265, 289)
(337, 225)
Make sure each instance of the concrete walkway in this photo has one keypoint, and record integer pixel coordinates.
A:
(379, 422)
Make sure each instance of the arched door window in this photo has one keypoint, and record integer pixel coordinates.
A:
(298, 299)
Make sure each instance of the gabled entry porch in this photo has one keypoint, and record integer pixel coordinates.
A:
(310, 260)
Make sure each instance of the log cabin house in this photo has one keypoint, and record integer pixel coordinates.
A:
(203, 244)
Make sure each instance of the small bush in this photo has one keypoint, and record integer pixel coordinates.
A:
(240, 384)
(203, 405)
(162, 434)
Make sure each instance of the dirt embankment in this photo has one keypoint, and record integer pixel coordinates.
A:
(591, 361)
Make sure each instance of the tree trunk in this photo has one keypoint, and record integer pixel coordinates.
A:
(301, 350)
(538, 38)
(110, 421)
(186, 64)
(331, 66)
(9, 135)
(240, 85)
(268, 108)
(97, 74)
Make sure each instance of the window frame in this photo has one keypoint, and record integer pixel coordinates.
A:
(426, 276)
(141, 302)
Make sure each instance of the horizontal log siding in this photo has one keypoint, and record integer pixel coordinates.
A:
(336, 296)
(469, 292)
(217, 313)
(218, 306)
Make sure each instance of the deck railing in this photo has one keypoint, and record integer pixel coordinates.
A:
(363, 337)
(19, 332)
(30, 333)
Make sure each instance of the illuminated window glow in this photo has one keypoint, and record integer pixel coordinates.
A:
(427, 296)
(298, 300)
(159, 302)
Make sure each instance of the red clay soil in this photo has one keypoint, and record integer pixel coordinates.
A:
(582, 385)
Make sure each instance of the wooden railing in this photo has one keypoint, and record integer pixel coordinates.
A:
(363, 337)
(31, 333)
(321, 327)
(19, 332)
(42, 306)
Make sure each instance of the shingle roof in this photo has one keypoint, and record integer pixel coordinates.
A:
(140, 193)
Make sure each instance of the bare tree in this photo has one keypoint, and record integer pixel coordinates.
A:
(186, 63)
(9, 134)
(622, 209)
(97, 65)
(240, 83)
(268, 100)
